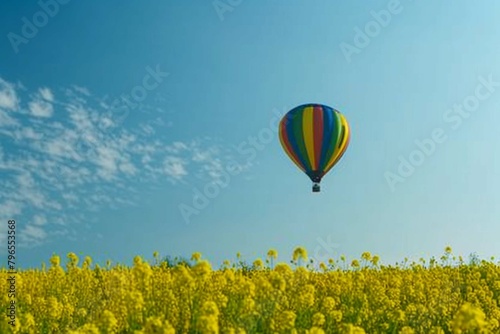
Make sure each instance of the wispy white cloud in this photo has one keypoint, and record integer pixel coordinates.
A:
(41, 108)
(5, 119)
(8, 96)
(81, 90)
(176, 147)
(32, 235)
(9, 209)
(39, 220)
(175, 168)
(46, 94)
(60, 161)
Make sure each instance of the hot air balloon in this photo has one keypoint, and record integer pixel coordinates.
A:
(315, 137)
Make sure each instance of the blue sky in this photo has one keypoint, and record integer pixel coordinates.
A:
(84, 171)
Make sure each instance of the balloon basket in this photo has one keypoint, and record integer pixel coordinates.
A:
(316, 188)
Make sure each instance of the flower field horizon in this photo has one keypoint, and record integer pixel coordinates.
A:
(446, 295)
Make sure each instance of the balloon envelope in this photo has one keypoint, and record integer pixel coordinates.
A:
(315, 137)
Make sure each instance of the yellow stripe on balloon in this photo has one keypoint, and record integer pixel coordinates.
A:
(288, 152)
(345, 142)
(339, 150)
(308, 127)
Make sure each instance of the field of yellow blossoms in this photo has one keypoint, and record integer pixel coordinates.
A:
(447, 295)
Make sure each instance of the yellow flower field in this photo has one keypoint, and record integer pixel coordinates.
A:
(434, 296)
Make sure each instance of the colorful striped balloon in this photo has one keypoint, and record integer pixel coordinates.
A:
(315, 137)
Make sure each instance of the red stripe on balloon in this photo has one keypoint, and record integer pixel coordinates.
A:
(318, 134)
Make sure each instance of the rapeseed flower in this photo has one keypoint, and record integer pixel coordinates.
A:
(424, 297)
(469, 319)
(196, 256)
(299, 253)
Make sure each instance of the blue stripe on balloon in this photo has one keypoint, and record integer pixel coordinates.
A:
(291, 119)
